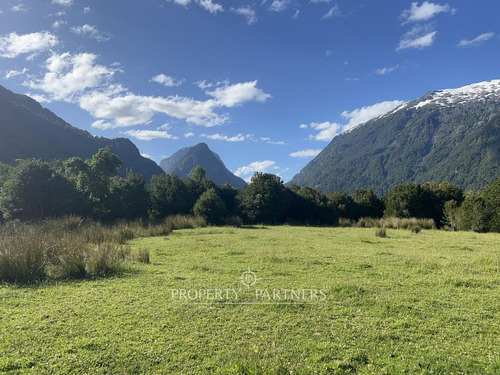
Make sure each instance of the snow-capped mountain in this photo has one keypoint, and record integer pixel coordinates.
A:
(447, 135)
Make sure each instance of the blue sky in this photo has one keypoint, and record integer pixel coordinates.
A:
(266, 84)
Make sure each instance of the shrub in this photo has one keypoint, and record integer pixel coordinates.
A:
(143, 256)
(381, 232)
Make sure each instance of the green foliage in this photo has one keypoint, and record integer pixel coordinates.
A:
(130, 197)
(491, 196)
(265, 199)
(211, 207)
(473, 214)
(404, 201)
(170, 196)
(343, 204)
(368, 204)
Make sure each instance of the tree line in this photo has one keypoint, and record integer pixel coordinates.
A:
(33, 190)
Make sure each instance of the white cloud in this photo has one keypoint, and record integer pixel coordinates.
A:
(38, 98)
(189, 135)
(210, 6)
(13, 45)
(305, 153)
(101, 124)
(167, 81)
(383, 71)
(326, 130)
(65, 3)
(418, 37)
(204, 85)
(271, 142)
(57, 24)
(477, 40)
(221, 137)
(247, 12)
(92, 32)
(239, 93)
(148, 135)
(15, 73)
(87, 10)
(71, 75)
(279, 5)
(296, 15)
(426, 11)
(147, 156)
(333, 12)
(256, 166)
(303, 126)
(319, 1)
(362, 115)
(19, 8)
(183, 3)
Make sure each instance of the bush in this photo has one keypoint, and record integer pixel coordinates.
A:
(211, 207)
(381, 232)
(185, 222)
(143, 256)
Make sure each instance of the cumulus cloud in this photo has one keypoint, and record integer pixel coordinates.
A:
(91, 32)
(239, 93)
(426, 11)
(13, 45)
(189, 135)
(476, 41)
(247, 12)
(71, 75)
(221, 137)
(167, 81)
(333, 12)
(362, 115)
(305, 153)
(210, 6)
(387, 70)
(418, 37)
(147, 156)
(65, 3)
(279, 5)
(256, 166)
(57, 24)
(326, 131)
(148, 135)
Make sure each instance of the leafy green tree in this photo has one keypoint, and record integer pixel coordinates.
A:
(368, 204)
(130, 197)
(34, 191)
(473, 214)
(211, 207)
(264, 200)
(404, 201)
(228, 194)
(169, 196)
(342, 204)
(491, 196)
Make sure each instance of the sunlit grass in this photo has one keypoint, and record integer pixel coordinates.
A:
(408, 303)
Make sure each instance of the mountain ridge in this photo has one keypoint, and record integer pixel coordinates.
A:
(446, 135)
(29, 130)
(182, 163)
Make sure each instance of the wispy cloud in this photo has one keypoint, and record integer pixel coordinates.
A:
(210, 6)
(271, 142)
(189, 135)
(418, 37)
(480, 39)
(149, 135)
(296, 15)
(279, 5)
(19, 8)
(57, 24)
(65, 3)
(167, 81)
(91, 32)
(247, 12)
(333, 12)
(14, 73)
(305, 153)
(221, 137)
(13, 45)
(387, 70)
(425, 11)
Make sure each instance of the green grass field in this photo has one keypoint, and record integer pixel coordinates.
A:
(426, 303)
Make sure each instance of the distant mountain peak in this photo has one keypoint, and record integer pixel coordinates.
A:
(182, 163)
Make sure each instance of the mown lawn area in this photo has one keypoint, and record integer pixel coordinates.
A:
(426, 303)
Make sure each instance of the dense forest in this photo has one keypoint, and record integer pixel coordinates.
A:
(34, 190)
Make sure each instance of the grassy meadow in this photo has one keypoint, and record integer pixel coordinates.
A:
(416, 303)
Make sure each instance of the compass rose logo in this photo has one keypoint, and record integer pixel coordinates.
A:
(248, 278)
